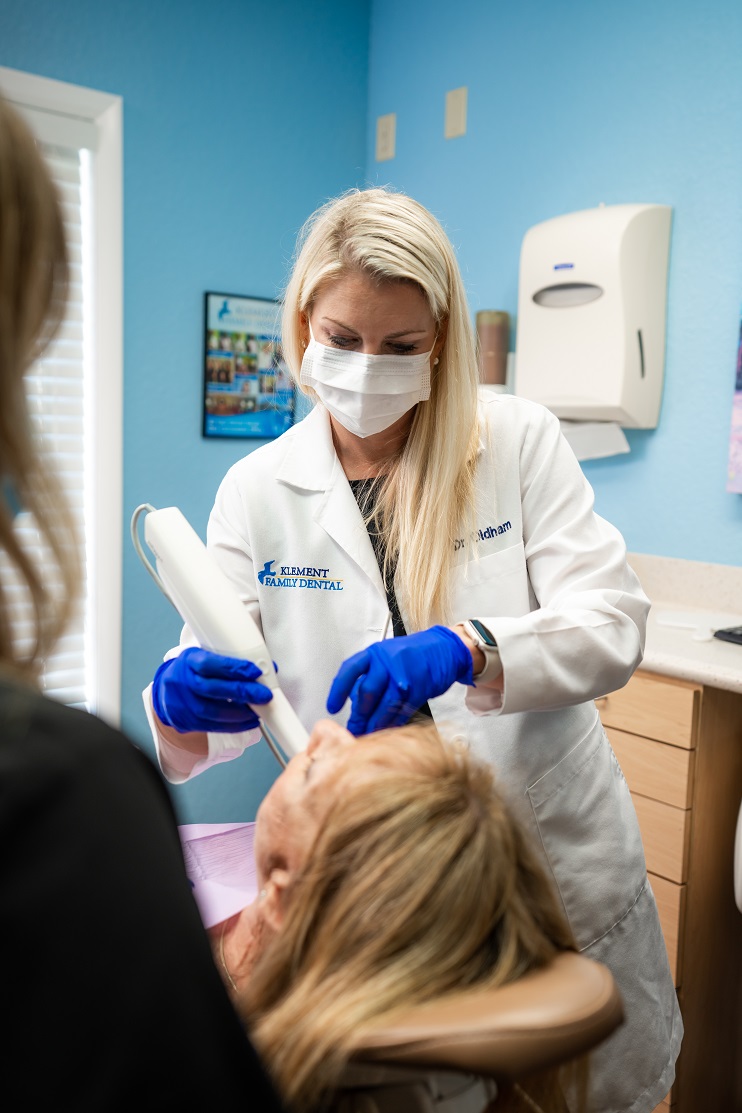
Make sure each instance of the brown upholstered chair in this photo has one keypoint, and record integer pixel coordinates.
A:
(457, 1054)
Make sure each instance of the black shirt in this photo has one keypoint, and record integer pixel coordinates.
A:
(364, 492)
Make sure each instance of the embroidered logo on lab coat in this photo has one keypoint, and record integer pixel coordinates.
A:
(288, 575)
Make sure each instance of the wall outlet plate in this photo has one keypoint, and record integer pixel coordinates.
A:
(455, 120)
(386, 136)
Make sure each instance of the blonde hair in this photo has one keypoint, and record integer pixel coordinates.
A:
(33, 289)
(419, 884)
(425, 501)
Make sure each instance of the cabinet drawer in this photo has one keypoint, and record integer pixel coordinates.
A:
(665, 710)
(654, 769)
(671, 907)
(665, 832)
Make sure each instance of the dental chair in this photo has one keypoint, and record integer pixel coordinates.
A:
(466, 1052)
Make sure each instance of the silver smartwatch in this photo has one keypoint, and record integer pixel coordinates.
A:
(484, 640)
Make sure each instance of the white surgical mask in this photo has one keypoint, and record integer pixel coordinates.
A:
(365, 393)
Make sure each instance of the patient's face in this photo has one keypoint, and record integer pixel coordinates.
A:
(290, 815)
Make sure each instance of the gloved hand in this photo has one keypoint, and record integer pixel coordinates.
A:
(199, 690)
(390, 680)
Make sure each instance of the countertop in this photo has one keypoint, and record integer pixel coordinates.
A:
(689, 600)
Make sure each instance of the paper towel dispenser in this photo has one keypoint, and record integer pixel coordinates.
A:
(592, 297)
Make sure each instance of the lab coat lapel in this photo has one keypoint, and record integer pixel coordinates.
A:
(312, 465)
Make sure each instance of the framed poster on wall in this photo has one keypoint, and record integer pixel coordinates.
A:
(248, 391)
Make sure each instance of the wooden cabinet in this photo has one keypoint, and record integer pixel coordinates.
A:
(680, 748)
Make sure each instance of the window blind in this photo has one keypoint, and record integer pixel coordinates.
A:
(58, 399)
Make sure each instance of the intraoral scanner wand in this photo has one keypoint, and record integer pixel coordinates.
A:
(206, 600)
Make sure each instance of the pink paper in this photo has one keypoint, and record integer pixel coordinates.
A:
(220, 867)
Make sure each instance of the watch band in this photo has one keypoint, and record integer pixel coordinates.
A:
(486, 642)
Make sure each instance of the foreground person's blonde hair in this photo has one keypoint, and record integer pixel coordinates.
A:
(419, 884)
(33, 286)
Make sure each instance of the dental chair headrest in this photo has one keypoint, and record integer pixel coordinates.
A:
(546, 1018)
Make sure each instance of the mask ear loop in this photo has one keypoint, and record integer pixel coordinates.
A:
(437, 360)
(444, 323)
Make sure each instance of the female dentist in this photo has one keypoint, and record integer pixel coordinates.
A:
(416, 547)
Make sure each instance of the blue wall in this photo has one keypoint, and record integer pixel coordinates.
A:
(239, 119)
(569, 105)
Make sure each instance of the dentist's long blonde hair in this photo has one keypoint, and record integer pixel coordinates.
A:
(33, 290)
(426, 501)
(420, 883)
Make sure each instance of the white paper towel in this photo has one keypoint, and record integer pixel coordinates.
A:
(594, 440)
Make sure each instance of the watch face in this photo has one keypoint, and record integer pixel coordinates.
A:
(483, 632)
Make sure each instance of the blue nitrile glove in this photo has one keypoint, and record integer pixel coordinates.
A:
(199, 690)
(390, 680)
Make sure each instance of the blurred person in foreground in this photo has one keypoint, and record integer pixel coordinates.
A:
(110, 989)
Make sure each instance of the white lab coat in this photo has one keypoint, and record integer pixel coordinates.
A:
(550, 580)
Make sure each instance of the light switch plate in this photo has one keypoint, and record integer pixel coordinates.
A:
(386, 136)
(455, 121)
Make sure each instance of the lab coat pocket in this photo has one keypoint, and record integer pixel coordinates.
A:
(495, 584)
(590, 834)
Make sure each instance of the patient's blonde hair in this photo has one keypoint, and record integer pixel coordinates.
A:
(425, 503)
(33, 288)
(419, 884)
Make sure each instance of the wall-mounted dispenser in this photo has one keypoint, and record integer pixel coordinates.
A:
(591, 314)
